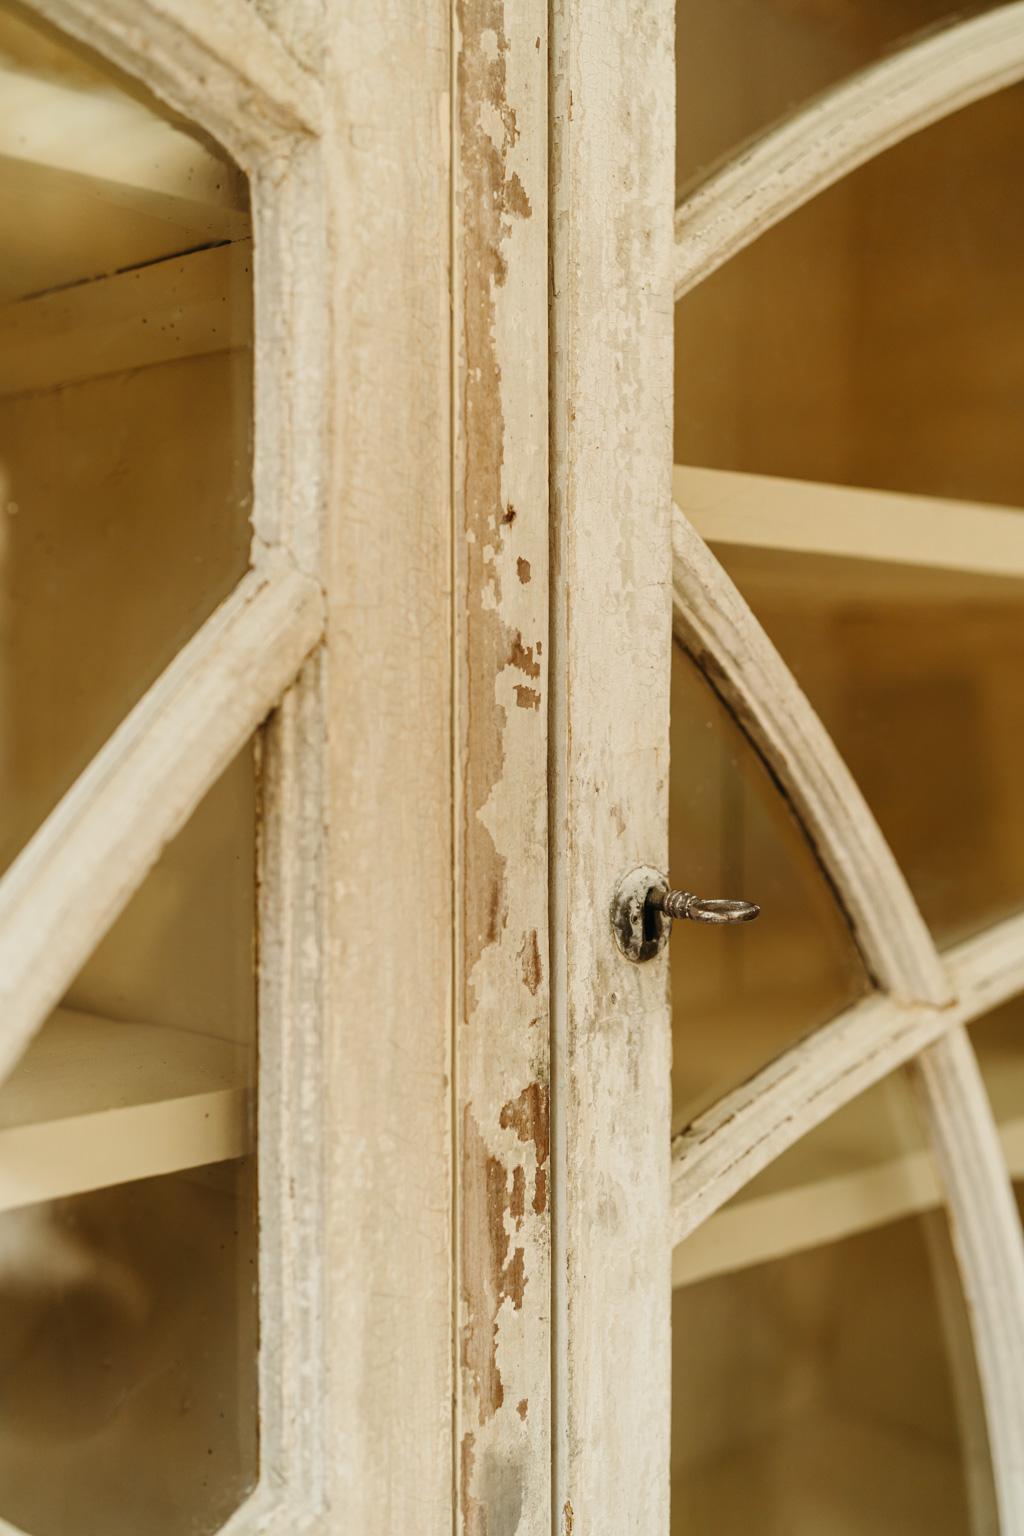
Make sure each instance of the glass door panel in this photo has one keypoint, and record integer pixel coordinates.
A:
(915, 673)
(743, 64)
(823, 1374)
(876, 336)
(128, 1180)
(742, 994)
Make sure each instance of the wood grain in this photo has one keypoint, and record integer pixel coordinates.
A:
(612, 191)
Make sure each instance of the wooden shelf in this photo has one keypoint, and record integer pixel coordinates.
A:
(866, 1166)
(94, 1103)
(801, 517)
(93, 181)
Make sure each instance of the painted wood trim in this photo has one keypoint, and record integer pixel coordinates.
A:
(385, 1241)
(715, 624)
(713, 620)
(805, 517)
(611, 391)
(155, 314)
(736, 1138)
(219, 65)
(73, 879)
(931, 78)
(502, 1052)
(986, 1233)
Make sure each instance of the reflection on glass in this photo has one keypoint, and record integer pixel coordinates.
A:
(125, 407)
(127, 1347)
(742, 64)
(998, 1039)
(876, 336)
(915, 674)
(128, 1233)
(742, 994)
(823, 1372)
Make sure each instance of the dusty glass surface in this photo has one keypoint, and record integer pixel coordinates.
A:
(916, 675)
(823, 1372)
(125, 405)
(876, 336)
(128, 1230)
(741, 994)
(743, 64)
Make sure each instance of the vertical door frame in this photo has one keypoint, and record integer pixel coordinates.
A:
(613, 174)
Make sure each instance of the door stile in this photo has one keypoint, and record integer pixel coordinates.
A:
(613, 143)
(500, 655)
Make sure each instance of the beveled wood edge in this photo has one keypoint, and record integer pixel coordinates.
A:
(929, 79)
(71, 881)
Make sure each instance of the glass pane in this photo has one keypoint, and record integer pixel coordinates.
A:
(876, 336)
(823, 1374)
(127, 1344)
(742, 64)
(915, 673)
(125, 405)
(998, 1039)
(742, 994)
(128, 1227)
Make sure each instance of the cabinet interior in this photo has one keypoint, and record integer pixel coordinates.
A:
(127, 1178)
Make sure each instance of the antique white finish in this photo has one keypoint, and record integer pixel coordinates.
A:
(611, 444)
(352, 347)
(928, 80)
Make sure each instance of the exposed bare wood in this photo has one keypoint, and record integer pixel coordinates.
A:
(612, 178)
(220, 65)
(163, 312)
(387, 1071)
(716, 625)
(767, 512)
(926, 81)
(68, 885)
(740, 1135)
(500, 272)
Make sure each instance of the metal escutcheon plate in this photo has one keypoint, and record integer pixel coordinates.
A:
(641, 932)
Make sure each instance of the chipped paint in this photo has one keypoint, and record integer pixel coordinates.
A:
(500, 291)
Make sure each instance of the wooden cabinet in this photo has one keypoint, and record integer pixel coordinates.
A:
(452, 457)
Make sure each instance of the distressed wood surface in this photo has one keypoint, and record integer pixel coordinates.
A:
(612, 190)
(769, 512)
(928, 80)
(727, 642)
(219, 65)
(387, 1091)
(502, 1117)
(63, 892)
